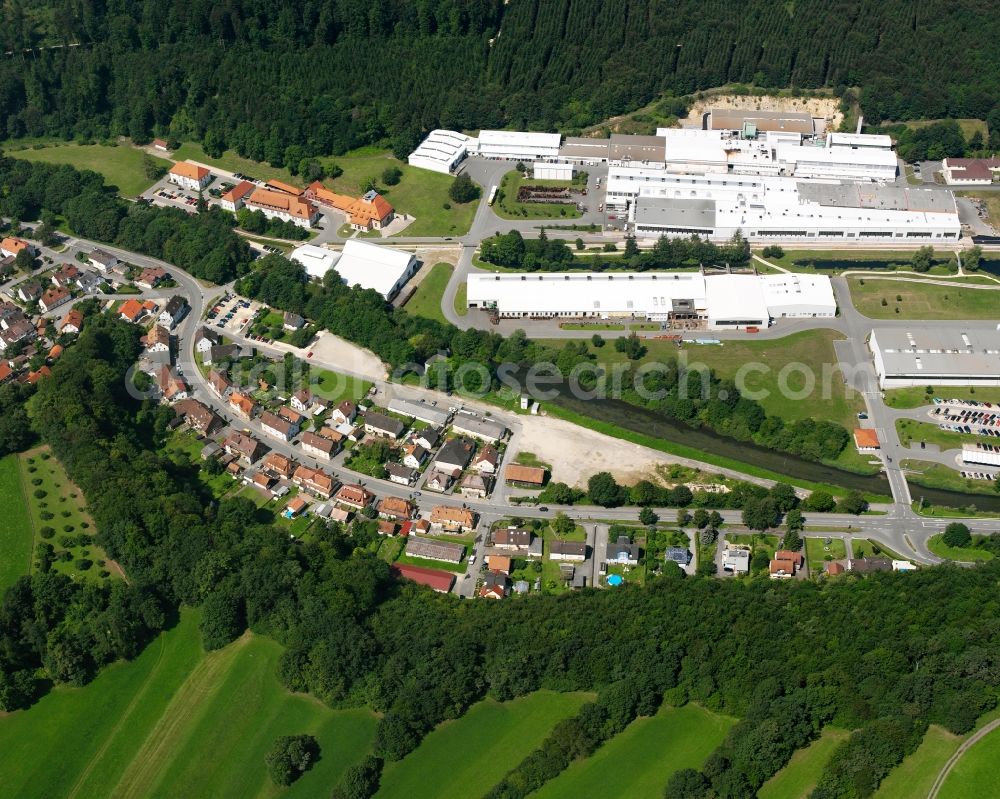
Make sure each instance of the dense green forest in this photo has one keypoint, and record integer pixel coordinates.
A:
(884, 655)
(281, 81)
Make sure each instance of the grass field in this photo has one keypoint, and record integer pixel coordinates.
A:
(121, 165)
(828, 398)
(937, 545)
(922, 300)
(817, 551)
(910, 430)
(916, 396)
(916, 774)
(16, 534)
(60, 506)
(638, 762)
(974, 775)
(507, 206)
(462, 299)
(175, 722)
(336, 387)
(804, 260)
(467, 756)
(797, 779)
(968, 126)
(937, 475)
(426, 300)
(863, 548)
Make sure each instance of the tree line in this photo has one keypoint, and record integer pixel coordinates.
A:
(198, 70)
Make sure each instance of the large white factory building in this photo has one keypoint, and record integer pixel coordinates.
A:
(949, 356)
(722, 300)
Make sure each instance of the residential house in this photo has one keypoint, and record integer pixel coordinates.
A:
(342, 515)
(833, 568)
(292, 321)
(315, 481)
(161, 145)
(439, 481)
(396, 509)
(173, 311)
(794, 557)
(622, 552)
(11, 246)
(218, 383)
(568, 551)
(8, 265)
(18, 332)
(151, 277)
(72, 322)
(403, 475)
(158, 339)
(9, 314)
(414, 455)
(6, 372)
(317, 446)
(495, 586)
(291, 416)
(532, 476)
(204, 339)
(334, 435)
(172, 387)
(513, 539)
(89, 282)
(453, 520)
(386, 527)
(279, 465)
(189, 176)
(431, 549)
(29, 291)
(353, 496)
(273, 425)
(34, 377)
(53, 298)
(296, 507)
(344, 413)
(679, 555)
(54, 353)
(455, 455)
(220, 353)
(302, 400)
(867, 565)
(498, 563)
(435, 579)
(101, 260)
(428, 438)
(486, 460)
(736, 561)
(483, 429)
(234, 199)
(284, 188)
(131, 311)
(242, 405)
(378, 424)
(781, 569)
(262, 481)
(198, 417)
(474, 486)
(65, 276)
(536, 550)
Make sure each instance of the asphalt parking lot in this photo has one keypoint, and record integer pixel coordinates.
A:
(231, 315)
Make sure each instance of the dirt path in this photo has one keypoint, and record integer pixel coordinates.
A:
(968, 742)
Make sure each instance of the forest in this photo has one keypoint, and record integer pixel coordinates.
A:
(884, 655)
(337, 74)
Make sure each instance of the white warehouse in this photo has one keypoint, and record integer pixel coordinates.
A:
(370, 266)
(442, 151)
(983, 454)
(722, 300)
(516, 145)
(954, 356)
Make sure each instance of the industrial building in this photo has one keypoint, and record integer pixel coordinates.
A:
(981, 454)
(517, 145)
(442, 151)
(722, 300)
(778, 208)
(751, 122)
(370, 266)
(552, 170)
(956, 356)
(420, 411)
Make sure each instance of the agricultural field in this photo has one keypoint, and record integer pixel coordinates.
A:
(638, 761)
(909, 299)
(176, 722)
(426, 300)
(58, 515)
(916, 774)
(974, 774)
(16, 533)
(797, 779)
(467, 756)
(122, 165)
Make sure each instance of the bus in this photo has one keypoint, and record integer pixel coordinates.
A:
(493, 196)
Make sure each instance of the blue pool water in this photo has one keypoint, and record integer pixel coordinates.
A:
(616, 579)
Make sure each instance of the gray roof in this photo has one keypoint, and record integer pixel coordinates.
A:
(733, 119)
(479, 427)
(584, 147)
(882, 198)
(175, 305)
(423, 411)
(419, 547)
(623, 544)
(679, 555)
(568, 548)
(103, 257)
(675, 213)
(382, 422)
(457, 451)
(637, 148)
(398, 470)
(930, 353)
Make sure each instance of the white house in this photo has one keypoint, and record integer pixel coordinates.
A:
(189, 176)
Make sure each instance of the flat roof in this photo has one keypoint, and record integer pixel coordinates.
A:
(860, 140)
(885, 198)
(735, 298)
(419, 410)
(442, 145)
(637, 148)
(866, 437)
(665, 212)
(791, 152)
(518, 138)
(582, 147)
(931, 352)
(316, 260)
(733, 119)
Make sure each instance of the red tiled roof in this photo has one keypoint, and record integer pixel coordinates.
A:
(186, 169)
(866, 437)
(432, 578)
